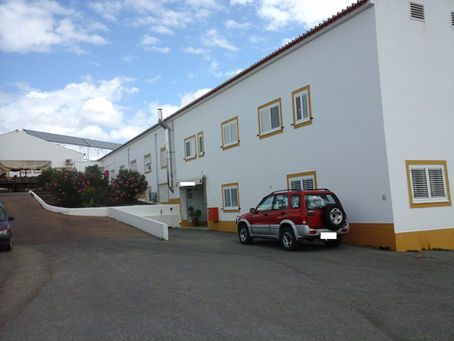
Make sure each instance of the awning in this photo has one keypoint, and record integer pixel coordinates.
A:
(191, 182)
(17, 165)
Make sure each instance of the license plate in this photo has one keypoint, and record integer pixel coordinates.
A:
(328, 235)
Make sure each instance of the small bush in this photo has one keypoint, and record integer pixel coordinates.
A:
(67, 187)
(45, 177)
(127, 186)
(96, 196)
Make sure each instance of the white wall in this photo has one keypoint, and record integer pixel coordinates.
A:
(18, 145)
(344, 144)
(149, 143)
(417, 84)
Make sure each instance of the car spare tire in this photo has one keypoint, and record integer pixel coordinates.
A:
(333, 216)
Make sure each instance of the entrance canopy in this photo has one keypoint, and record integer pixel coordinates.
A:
(191, 182)
(17, 165)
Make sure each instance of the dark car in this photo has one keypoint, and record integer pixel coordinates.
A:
(6, 235)
(293, 216)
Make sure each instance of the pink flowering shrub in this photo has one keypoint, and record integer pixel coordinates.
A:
(127, 186)
(67, 186)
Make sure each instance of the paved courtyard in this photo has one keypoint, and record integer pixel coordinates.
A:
(77, 278)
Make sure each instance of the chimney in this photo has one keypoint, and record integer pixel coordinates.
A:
(159, 111)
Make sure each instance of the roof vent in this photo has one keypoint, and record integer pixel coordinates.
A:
(416, 11)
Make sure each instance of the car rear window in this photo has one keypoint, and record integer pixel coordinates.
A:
(318, 201)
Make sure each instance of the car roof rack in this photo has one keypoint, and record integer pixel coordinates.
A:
(299, 190)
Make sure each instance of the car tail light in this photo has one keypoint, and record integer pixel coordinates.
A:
(344, 230)
(312, 232)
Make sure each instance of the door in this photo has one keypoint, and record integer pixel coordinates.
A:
(260, 223)
(279, 213)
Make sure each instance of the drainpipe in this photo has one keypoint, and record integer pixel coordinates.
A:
(168, 141)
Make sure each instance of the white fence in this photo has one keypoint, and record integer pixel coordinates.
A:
(153, 219)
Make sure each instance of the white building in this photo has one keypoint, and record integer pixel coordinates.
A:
(361, 104)
(21, 150)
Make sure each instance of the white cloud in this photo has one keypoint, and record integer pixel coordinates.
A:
(41, 25)
(86, 109)
(185, 99)
(153, 79)
(278, 13)
(241, 2)
(233, 72)
(232, 24)
(213, 38)
(192, 50)
(151, 43)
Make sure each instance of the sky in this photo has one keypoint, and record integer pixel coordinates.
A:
(100, 69)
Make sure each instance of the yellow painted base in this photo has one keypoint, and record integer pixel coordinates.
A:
(374, 235)
(379, 235)
(226, 226)
(425, 240)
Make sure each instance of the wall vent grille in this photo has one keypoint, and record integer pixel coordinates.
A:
(416, 11)
(452, 19)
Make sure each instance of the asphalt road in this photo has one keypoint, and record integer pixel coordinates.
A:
(65, 281)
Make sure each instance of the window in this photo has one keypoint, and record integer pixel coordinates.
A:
(122, 167)
(163, 157)
(280, 202)
(189, 148)
(266, 204)
(301, 102)
(147, 163)
(230, 197)
(416, 11)
(428, 183)
(302, 181)
(270, 118)
(133, 165)
(112, 174)
(200, 144)
(296, 201)
(230, 135)
(163, 192)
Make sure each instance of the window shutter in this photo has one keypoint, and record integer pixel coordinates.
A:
(308, 183)
(227, 198)
(234, 195)
(437, 186)
(226, 131)
(417, 11)
(274, 117)
(299, 115)
(233, 132)
(419, 183)
(188, 148)
(305, 100)
(295, 185)
(265, 124)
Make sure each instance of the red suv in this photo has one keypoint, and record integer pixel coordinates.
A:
(291, 216)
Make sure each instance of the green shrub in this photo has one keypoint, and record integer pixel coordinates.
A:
(96, 196)
(67, 187)
(45, 177)
(127, 186)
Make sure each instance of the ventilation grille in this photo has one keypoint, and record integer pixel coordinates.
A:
(452, 19)
(417, 11)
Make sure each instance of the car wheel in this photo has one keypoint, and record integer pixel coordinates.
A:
(333, 242)
(243, 234)
(333, 217)
(288, 239)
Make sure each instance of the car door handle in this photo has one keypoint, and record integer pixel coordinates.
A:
(310, 214)
(265, 215)
(282, 213)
